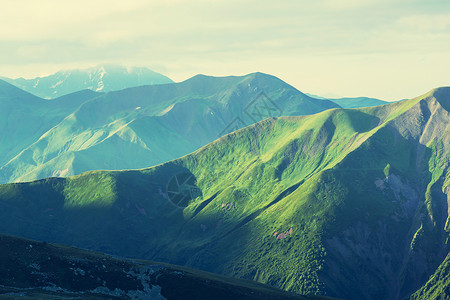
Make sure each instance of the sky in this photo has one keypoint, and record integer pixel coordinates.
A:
(389, 50)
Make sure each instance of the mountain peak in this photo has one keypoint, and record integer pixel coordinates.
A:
(440, 94)
(9, 90)
(256, 76)
(104, 78)
(441, 89)
(260, 74)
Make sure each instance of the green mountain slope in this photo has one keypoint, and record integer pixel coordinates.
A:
(144, 126)
(347, 203)
(32, 270)
(102, 78)
(438, 287)
(24, 118)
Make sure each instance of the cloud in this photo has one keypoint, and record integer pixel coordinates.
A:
(31, 51)
(344, 5)
(228, 37)
(426, 23)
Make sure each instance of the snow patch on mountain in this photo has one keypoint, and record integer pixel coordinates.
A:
(102, 78)
(56, 84)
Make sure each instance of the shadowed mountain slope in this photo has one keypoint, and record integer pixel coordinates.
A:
(347, 203)
(31, 270)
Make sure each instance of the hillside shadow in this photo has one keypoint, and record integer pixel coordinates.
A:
(372, 244)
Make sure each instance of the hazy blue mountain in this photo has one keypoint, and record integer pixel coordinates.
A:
(351, 203)
(315, 96)
(358, 102)
(141, 126)
(102, 78)
(25, 118)
(355, 102)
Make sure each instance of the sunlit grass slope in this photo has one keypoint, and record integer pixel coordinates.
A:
(347, 203)
(438, 287)
(24, 118)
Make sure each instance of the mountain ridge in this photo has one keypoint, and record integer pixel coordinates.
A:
(10, 90)
(353, 102)
(347, 202)
(102, 78)
(183, 117)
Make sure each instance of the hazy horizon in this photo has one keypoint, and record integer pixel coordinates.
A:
(338, 48)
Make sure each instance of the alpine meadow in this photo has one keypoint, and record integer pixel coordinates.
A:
(347, 203)
(215, 150)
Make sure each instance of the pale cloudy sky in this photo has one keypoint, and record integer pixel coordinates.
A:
(387, 49)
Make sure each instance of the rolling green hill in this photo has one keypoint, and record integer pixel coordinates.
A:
(36, 270)
(347, 203)
(102, 78)
(137, 127)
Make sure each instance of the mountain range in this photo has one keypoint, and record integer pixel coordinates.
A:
(355, 102)
(358, 102)
(135, 127)
(102, 78)
(349, 203)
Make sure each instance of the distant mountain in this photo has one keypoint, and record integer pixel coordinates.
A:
(315, 96)
(25, 118)
(138, 127)
(36, 270)
(358, 102)
(103, 78)
(350, 203)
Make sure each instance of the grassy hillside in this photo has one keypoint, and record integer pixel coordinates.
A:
(347, 203)
(140, 127)
(25, 118)
(31, 270)
(438, 287)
